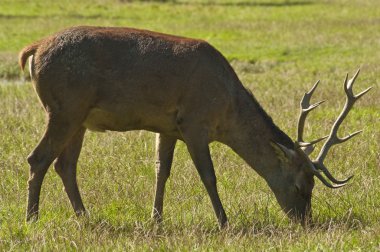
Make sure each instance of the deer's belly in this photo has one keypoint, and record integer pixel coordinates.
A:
(101, 120)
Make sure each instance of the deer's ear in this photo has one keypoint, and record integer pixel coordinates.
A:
(283, 153)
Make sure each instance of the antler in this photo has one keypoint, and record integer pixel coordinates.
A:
(333, 137)
(306, 107)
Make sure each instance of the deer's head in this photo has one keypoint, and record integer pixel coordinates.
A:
(297, 170)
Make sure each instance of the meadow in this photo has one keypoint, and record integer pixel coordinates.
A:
(278, 48)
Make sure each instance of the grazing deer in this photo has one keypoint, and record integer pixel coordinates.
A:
(123, 79)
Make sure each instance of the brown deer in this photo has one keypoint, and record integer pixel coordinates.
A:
(123, 79)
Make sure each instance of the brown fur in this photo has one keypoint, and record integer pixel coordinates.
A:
(126, 79)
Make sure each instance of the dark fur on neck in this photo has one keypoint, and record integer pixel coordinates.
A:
(279, 135)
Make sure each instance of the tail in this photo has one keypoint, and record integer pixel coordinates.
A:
(26, 53)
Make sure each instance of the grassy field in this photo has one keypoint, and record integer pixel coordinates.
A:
(278, 48)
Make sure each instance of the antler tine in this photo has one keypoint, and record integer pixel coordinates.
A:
(304, 144)
(318, 174)
(323, 168)
(348, 87)
(333, 136)
(305, 109)
(325, 182)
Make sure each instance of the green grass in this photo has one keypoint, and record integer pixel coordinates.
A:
(278, 48)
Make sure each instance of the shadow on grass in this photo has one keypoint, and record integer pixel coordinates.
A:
(266, 228)
(217, 3)
(351, 221)
(251, 3)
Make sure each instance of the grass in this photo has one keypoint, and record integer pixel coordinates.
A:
(278, 48)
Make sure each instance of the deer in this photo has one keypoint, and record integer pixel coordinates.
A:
(121, 79)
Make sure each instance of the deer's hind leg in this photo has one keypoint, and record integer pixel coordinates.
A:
(164, 154)
(66, 167)
(61, 128)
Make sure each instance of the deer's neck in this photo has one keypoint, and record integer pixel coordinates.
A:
(251, 133)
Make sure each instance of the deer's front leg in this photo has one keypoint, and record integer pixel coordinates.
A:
(197, 145)
(164, 155)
